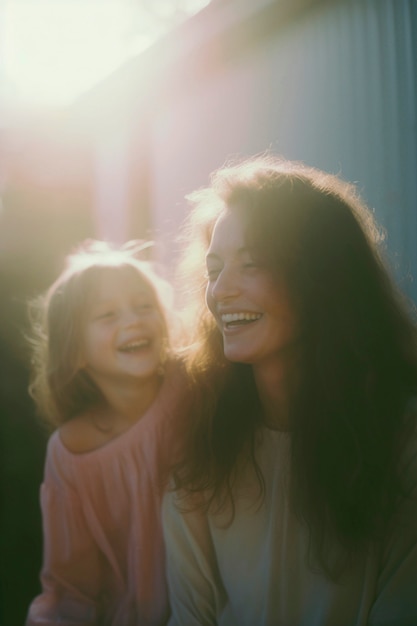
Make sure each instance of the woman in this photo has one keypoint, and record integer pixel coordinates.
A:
(295, 500)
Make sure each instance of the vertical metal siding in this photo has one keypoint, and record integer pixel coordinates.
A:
(354, 98)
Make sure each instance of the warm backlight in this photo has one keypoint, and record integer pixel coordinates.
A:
(53, 50)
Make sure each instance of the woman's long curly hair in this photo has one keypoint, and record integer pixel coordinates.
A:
(59, 387)
(348, 417)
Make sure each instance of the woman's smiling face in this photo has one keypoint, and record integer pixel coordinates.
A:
(252, 309)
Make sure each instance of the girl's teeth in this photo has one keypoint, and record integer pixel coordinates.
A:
(135, 345)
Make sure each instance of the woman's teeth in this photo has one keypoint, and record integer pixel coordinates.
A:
(240, 318)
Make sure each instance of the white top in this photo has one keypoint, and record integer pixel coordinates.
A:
(254, 572)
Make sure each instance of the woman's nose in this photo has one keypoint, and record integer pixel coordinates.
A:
(225, 285)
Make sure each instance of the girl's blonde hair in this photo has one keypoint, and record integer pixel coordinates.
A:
(59, 388)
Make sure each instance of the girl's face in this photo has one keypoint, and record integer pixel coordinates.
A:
(122, 336)
(252, 311)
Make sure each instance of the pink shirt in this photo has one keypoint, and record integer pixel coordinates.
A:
(104, 560)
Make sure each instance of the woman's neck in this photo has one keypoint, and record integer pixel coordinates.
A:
(276, 382)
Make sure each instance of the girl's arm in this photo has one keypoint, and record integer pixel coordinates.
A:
(71, 562)
(396, 601)
(197, 595)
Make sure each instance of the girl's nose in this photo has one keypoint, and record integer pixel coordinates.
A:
(130, 317)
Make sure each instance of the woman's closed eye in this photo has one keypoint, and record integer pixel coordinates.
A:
(250, 265)
(212, 273)
(247, 259)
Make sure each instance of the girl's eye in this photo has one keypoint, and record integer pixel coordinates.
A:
(106, 315)
(145, 306)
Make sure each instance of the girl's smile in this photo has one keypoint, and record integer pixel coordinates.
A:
(123, 333)
(135, 345)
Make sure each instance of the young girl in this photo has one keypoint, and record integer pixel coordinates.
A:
(105, 377)
(296, 501)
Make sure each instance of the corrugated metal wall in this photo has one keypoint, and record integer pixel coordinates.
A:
(354, 109)
(335, 86)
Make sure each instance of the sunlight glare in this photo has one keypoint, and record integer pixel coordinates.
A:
(55, 50)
